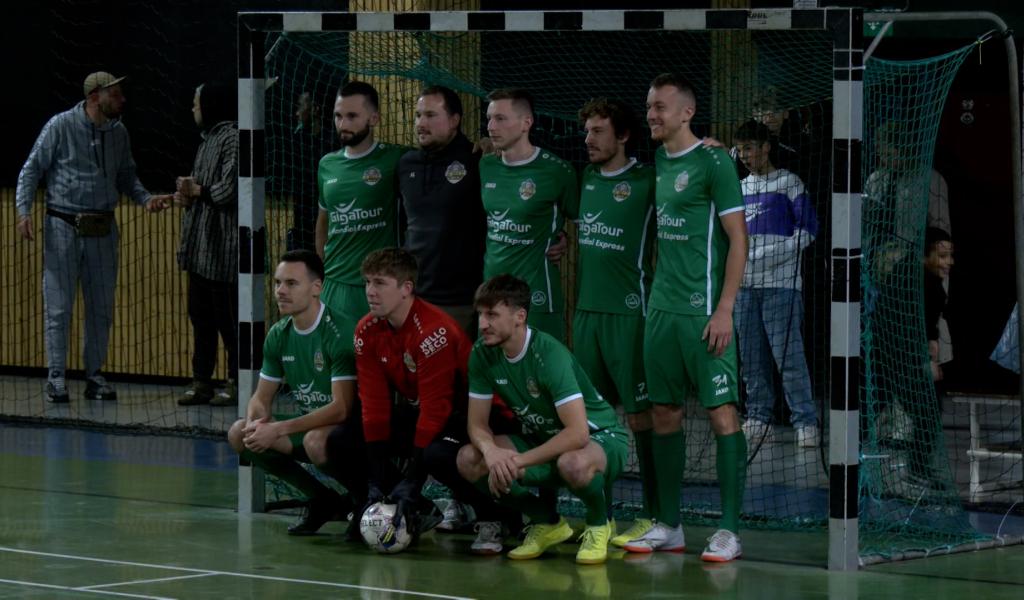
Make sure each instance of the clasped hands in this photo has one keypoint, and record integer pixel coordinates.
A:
(187, 191)
(504, 467)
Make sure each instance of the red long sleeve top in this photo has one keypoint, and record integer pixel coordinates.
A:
(425, 361)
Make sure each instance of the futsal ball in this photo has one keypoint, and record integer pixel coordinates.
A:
(378, 531)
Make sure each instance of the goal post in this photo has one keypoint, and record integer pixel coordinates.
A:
(735, 44)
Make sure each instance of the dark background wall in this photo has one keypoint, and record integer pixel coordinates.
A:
(168, 48)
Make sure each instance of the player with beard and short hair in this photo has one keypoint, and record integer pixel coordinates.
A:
(616, 234)
(702, 250)
(526, 193)
(358, 199)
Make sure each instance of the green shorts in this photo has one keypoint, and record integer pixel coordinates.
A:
(550, 323)
(678, 363)
(348, 302)
(616, 451)
(610, 349)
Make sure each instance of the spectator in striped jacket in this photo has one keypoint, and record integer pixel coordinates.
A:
(209, 243)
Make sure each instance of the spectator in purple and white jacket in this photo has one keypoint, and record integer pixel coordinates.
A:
(781, 222)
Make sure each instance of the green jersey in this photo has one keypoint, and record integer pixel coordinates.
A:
(525, 204)
(616, 236)
(309, 360)
(361, 199)
(694, 188)
(534, 384)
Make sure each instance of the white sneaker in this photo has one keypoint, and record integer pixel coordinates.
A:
(723, 546)
(454, 517)
(807, 436)
(488, 538)
(757, 432)
(660, 538)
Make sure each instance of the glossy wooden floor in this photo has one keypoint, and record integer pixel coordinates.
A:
(87, 515)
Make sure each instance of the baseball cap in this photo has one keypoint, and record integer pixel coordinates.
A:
(99, 80)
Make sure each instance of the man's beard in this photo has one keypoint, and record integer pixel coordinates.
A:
(356, 138)
(109, 111)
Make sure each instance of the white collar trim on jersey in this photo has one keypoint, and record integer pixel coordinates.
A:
(519, 163)
(362, 154)
(685, 150)
(619, 171)
(526, 345)
(313, 327)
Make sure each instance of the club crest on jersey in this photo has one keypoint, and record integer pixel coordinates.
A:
(682, 180)
(696, 299)
(409, 362)
(318, 361)
(632, 301)
(531, 387)
(371, 176)
(455, 172)
(538, 298)
(621, 191)
(527, 189)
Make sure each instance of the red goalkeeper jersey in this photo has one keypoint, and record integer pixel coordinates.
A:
(425, 361)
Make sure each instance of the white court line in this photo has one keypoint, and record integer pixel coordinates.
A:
(225, 573)
(138, 581)
(71, 589)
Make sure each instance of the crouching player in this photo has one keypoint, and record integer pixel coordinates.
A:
(571, 436)
(411, 359)
(311, 350)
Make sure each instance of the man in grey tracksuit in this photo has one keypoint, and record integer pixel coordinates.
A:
(85, 156)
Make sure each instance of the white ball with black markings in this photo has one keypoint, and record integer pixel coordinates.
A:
(379, 533)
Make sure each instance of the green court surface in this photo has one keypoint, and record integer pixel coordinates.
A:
(94, 515)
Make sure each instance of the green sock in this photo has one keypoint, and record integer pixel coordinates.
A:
(594, 499)
(537, 509)
(645, 458)
(668, 453)
(609, 493)
(290, 471)
(731, 465)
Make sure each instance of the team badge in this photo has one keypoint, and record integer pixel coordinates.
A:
(531, 387)
(697, 300)
(621, 191)
(371, 176)
(682, 180)
(409, 362)
(318, 361)
(455, 172)
(538, 298)
(632, 301)
(527, 189)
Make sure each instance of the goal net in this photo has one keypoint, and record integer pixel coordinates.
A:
(781, 78)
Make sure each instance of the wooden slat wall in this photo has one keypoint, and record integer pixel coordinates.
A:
(151, 335)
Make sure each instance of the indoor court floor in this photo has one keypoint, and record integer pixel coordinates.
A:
(88, 514)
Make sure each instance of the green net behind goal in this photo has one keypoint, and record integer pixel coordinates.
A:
(908, 497)
(784, 78)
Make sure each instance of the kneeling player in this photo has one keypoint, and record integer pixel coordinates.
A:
(409, 347)
(311, 350)
(570, 437)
